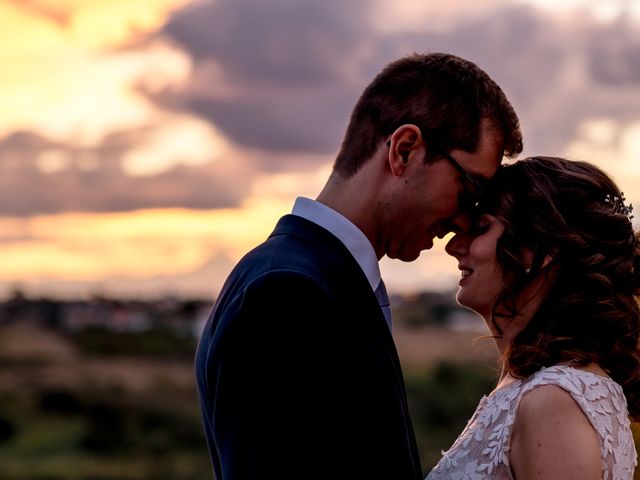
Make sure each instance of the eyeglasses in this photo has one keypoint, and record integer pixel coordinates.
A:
(474, 186)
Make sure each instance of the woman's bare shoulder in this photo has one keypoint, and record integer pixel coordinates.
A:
(552, 437)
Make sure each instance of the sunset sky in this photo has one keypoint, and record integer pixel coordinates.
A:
(145, 146)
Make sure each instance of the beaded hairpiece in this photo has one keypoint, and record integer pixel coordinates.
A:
(618, 205)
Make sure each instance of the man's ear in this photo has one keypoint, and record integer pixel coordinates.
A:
(405, 145)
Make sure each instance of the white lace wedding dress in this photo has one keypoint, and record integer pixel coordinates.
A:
(482, 449)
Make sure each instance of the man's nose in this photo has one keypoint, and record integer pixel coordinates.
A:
(460, 222)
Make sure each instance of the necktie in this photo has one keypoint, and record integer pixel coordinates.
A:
(383, 300)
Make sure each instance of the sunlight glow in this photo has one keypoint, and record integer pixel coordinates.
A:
(604, 11)
(141, 243)
(79, 73)
(613, 147)
(86, 93)
(180, 140)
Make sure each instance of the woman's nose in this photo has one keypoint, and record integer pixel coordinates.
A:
(458, 245)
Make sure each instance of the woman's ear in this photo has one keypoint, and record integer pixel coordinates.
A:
(527, 260)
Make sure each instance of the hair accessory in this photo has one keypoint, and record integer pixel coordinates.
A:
(618, 205)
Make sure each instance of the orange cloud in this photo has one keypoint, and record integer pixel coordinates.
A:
(89, 87)
(139, 244)
(95, 23)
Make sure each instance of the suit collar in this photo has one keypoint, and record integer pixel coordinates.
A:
(342, 228)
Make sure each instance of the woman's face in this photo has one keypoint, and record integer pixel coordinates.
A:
(481, 279)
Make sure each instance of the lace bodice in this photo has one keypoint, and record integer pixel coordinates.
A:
(482, 449)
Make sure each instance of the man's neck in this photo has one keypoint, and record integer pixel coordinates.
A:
(354, 199)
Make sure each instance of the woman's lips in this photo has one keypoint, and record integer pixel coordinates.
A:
(465, 272)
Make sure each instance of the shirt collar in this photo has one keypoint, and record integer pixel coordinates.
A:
(351, 236)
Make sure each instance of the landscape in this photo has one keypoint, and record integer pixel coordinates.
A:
(103, 389)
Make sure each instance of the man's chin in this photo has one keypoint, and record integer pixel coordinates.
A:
(407, 256)
(414, 254)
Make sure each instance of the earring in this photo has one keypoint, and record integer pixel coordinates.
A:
(527, 271)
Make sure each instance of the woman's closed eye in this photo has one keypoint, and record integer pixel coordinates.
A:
(482, 224)
(480, 228)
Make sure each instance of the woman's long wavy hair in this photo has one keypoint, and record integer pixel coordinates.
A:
(557, 208)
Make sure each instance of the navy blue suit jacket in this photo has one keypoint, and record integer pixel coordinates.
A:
(297, 372)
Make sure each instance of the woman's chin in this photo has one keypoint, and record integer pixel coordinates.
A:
(469, 303)
(462, 299)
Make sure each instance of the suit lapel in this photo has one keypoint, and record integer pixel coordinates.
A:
(348, 282)
(349, 278)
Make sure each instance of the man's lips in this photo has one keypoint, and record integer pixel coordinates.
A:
(440, 231)
(437, 231)
(429, 244)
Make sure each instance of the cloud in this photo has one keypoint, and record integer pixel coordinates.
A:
(282, 42)
(283, 76)
(294, 123)
(614, 58)
(286, 73)
(204, 282)
(39, 176)
(57, 15)
(278, 79)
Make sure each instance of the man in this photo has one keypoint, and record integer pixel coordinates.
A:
(297, 372)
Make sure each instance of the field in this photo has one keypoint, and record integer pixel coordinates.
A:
(72, 415)
(71, 408)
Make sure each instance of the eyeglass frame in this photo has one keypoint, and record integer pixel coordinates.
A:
(478, 185)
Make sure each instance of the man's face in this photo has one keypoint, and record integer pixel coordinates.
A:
(428, 202)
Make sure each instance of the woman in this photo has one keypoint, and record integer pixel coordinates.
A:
(553, 266)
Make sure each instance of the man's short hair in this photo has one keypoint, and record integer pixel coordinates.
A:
(444, 95)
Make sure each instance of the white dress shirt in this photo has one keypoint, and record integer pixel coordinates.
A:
(351, 236)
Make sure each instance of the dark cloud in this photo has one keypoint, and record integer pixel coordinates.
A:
(284, 42)
(288, 73)
(614, 53)
(303, 123)
(94, 180)
(309, 120)
(280, 110)
(290, 63)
